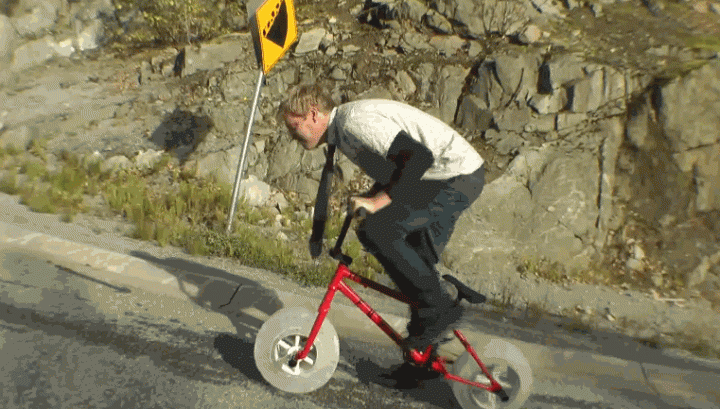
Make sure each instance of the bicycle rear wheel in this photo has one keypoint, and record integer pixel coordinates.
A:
(506, 364)
(281, 337)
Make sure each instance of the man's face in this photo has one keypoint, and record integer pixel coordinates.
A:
(308, 129)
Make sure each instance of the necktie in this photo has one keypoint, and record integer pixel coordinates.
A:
(321, 204)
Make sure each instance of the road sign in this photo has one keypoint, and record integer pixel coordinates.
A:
(276, 31)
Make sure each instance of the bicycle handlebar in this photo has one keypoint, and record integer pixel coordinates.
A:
(336, 252)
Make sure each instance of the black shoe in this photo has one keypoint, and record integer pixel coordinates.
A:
(408, 376)
(435, 330)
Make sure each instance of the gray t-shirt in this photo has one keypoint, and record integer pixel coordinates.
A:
(364, 131)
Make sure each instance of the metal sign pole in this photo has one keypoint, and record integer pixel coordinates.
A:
(243, 155)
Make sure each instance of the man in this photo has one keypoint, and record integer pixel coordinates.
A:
(426, 174)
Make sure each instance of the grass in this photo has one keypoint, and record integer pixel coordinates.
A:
(170, 206)
(176, 22)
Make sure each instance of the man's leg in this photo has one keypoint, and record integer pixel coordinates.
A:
(407, 238)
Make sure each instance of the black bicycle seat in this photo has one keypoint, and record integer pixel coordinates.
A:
(465, 292)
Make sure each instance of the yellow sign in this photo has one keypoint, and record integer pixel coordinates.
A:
(277, 30)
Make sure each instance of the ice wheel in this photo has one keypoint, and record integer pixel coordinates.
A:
(506, 364)
(284, 335)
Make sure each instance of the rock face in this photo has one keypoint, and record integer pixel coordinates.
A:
(587, 158)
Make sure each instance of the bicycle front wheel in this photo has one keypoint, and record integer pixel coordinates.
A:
(285, 334)
(506, 364)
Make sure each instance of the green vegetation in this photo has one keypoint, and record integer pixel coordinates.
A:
(170, 206)
(178, 22)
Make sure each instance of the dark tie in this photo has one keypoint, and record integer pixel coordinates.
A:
(321, 205)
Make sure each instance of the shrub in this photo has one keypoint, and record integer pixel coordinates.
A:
(180, 21)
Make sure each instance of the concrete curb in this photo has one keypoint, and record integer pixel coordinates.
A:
(677, 388)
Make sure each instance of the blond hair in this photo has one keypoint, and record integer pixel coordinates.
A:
(302, 98)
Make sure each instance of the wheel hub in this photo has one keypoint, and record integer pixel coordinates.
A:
(288, 347)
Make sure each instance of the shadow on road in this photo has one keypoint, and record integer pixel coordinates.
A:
(227, 294)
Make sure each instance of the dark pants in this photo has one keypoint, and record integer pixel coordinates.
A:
(408, 236)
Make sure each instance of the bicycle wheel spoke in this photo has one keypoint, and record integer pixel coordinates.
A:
(284, 345)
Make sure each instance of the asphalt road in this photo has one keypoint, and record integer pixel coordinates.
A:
(73, 340)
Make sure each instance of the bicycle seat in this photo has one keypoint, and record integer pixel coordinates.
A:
(465, 292)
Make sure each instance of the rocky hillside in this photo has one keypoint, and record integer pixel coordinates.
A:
(599, 120)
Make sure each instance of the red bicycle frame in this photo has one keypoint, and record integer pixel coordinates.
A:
(438, 363)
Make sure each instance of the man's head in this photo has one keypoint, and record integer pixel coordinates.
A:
(306, 112)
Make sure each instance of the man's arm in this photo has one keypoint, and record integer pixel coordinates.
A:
(412, 159)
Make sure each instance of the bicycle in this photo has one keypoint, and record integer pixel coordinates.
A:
(298, 351)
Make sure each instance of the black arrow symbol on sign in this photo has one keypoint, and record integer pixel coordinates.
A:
(279, 29)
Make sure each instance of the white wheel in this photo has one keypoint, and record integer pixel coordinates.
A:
(284, 335)
(506, 364)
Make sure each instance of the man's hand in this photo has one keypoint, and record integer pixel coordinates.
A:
(371, 204)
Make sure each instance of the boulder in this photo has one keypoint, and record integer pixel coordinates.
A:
(310, 41)
(544, 206)
(450, 85)
(38, 21)
(8, 38)
(33, 53)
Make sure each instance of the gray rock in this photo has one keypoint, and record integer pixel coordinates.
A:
(568, 121)
(549, 103)
(8, 38)
(637, 126)
(17, 138)
(687, 126)
(704, 164)
(96, 9)
(115, 164)
(91, 37)
(215, 55)
(587, 94)
(239, 85)
(505, 143)
(438, 22)
(310, 41)
(450, 85)
(693, 133)
(33, 53)
(412, 41)
(474, 114)
(542, 123)
(447, 45)
(284, 159)
(530, 34)
(38, 21)
(517, 74)
(561, 70)
(467, 13)
(414, 10)
(425, 77)
(485, 86)
(338, 74)
(405, 83)
(512, 119)
(221, 164)
(548, 8)
(377, 92)
(147, 159)
(254, 192)
(475, 49)
(64, 48)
